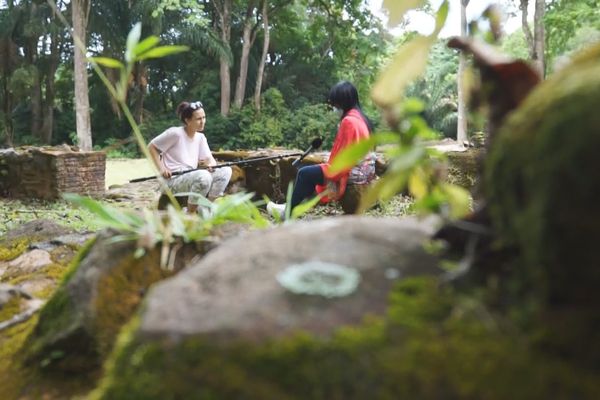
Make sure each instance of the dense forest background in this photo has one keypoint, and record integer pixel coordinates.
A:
(261, 68)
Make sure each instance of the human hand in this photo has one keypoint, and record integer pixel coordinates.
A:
(206, 164)
(165, 172)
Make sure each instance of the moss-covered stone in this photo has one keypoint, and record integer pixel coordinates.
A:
(12, 249)
(432, 344)
(99, 293)
(542, 186)
(10, 309)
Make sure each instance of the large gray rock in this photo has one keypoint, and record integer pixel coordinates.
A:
(39, 228)
(233, 292)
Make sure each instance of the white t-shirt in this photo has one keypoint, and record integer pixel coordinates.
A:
(179, 151)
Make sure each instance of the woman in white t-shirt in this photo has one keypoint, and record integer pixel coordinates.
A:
(183, 148)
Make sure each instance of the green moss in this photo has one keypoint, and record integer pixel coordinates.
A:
(19, 380)
(12, 249)
(68, 337)
(542, 186)
(434, 343)
(58, 319)
(53, 271)
(74, 264)
(13, 376)
(10, 309)
(120, 292)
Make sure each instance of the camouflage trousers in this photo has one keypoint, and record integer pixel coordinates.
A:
(208, 184)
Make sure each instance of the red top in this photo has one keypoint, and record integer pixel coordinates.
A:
(353, 129)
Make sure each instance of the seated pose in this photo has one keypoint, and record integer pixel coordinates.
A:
(354, 126)
(185, 148)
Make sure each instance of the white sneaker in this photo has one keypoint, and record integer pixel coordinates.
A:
(275, 209)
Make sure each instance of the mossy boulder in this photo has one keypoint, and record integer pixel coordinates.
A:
(225, 327)
(106, 283)
(542, 186)
(432, 343)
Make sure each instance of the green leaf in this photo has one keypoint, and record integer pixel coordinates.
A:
(440, 17)
(288, 202)
(397, 9)
(162, 51)
(406, 65)
(106, 215)
(132, 40)
(351, 155)
(176, 222)
(417, 184)
(306, 206)
(106, 62)
(383, 189)
(458, 198)
(408, 159)
(146, 45)
(413, 105)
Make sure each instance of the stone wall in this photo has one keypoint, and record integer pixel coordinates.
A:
(46, 173)
(272, 177)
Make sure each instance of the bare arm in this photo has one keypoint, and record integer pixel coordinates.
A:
(164, 171)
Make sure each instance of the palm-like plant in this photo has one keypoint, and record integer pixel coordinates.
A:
(437, 89)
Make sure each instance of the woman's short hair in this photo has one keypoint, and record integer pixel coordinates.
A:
(185, 109)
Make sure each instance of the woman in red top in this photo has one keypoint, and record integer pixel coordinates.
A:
(354, 126)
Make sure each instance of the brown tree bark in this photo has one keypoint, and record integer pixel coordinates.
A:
(49, 92)
(263, 58)
(223, 9)
(35, 101)
(248, 38)
(8, 56)
(140, 86)
(80, 10)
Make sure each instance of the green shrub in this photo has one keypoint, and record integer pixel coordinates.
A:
(309, 122)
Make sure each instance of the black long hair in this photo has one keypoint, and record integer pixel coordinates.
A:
(344, 95)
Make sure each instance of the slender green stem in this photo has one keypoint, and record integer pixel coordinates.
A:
(144, 148)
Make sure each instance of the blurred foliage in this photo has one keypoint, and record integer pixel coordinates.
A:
(438, 91)
(566, 20)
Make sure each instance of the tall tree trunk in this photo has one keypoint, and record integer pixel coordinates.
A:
(248, 37)
(140, 83)
(35, 94)
(36, 105)
(48, 102)
(535, 40)
(524, 5)
(223, 9)
(8, 61)
(80, 11)
(240, 87)
(263, 58)
(461, 128)
(7, 112)
(539, 37)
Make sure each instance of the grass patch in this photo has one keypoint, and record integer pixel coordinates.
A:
(120, 171)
